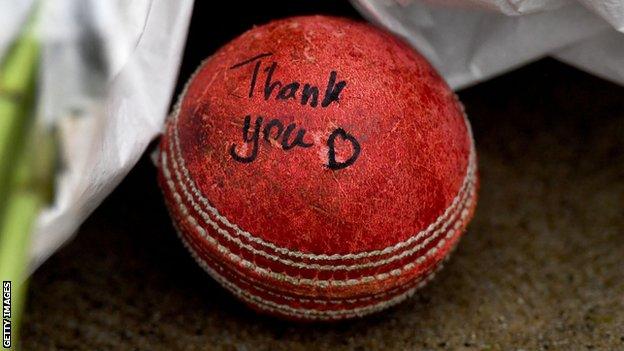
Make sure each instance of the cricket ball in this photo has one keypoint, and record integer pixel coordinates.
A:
(318, 168)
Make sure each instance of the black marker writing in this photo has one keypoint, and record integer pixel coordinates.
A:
(289, 136)
(283, 135)
(309, 94)
(332, 163)
(246, 139)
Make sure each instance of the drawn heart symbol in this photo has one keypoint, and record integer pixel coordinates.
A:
(332, 163)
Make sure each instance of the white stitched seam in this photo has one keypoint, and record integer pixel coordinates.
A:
(420, 280)
(254, 282)
(297, 312)
(183, 210)
(466, 202)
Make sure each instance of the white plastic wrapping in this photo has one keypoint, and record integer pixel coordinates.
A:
(107, 76)
(472, 40)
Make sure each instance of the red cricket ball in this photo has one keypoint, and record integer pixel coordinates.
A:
(318, 168)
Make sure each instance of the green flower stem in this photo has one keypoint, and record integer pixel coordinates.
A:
(30, 189)
(21, 212)
(17, 85)
(27, 155)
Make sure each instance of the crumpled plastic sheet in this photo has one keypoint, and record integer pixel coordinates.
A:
(469, 41)
(107, 75)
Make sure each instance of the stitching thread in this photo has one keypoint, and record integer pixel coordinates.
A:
(255, 283)
(298, 312)
(466, 197)
(223, 250)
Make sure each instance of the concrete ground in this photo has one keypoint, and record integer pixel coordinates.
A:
(540, 268)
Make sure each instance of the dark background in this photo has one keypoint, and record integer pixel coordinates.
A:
(539, 268)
